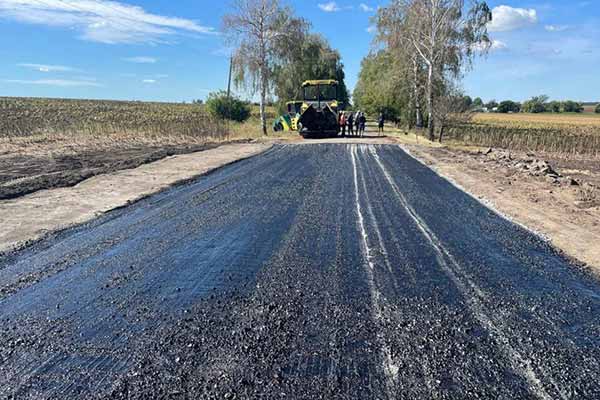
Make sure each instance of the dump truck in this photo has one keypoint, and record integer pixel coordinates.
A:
(289, 120)
(319, 113)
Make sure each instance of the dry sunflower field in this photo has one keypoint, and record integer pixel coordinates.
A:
(48, 143)
(566, 134)
(27, 117)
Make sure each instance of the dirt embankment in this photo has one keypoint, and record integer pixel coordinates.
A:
(559, 198)
(28, 169)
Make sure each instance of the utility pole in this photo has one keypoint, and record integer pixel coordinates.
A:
(229, 80)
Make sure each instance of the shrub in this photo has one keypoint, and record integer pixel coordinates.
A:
(597, 109)
(221, 106)
(572, 106)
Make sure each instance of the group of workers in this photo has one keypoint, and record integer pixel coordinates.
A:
(355, 123)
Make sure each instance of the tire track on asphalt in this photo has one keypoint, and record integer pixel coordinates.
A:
(390, 369)
(472, 294)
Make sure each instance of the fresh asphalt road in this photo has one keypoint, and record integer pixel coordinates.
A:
(311, 271)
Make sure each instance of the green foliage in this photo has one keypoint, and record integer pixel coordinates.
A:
(535, 105)
(554, 106)
(380, 89)
(467, 102)
(572, 106)
(477, 103)
(509, 106)
(597, 110)
(221, 106)
(540, 104)
(312, 58)
(491, 105)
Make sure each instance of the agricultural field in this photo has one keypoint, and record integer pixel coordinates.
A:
(568, 135)
(46, 143)
(22, 117)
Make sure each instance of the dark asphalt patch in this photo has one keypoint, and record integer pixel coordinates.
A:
(313, 272)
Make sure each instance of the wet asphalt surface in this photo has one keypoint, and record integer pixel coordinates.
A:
(309, 272)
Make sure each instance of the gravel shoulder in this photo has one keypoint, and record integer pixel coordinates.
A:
(562, 204)
(30, 217)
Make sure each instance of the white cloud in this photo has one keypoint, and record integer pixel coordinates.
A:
(496, 45)
(54, 82)
(47, 68)
(149, 81)
(329, 7)
(556, 28)
(505, 18)
(366, 8)
(141, 60)
(100, 21)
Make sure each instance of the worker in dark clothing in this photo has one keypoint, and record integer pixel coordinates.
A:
(357, 123)
(381, 122)
(342, 123)
(350, 122)
(362, 123)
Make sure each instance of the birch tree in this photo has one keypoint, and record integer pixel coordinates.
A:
(262, 32)
(443, 34)
(391, 24)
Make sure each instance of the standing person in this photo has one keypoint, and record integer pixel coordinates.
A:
(343, 123)
(350, 122)
(381, 122)
(363, 124)
(357, 123)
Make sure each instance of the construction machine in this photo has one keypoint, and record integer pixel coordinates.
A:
(319, 113)
(289, 120)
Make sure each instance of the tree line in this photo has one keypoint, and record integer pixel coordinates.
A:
(275, 51)
(535, 105)
(421, 50)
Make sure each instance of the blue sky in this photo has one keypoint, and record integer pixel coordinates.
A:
(167, 50)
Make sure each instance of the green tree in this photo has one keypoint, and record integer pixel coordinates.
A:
(380, 87)
(264, 34)
(572, 106)
(554, 106)
(536, 104)
(219, 105)
(313, 58)
(441, 37)
(597, 110)
(509, 106)
(491, 105)
(467, 102)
